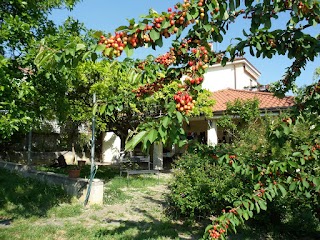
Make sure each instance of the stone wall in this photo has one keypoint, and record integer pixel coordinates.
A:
(76, 187)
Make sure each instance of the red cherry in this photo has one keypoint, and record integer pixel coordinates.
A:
(169, 9)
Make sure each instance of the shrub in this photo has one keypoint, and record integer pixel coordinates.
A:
(201, 188)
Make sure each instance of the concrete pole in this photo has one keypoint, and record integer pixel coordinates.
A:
(158, 156)
(29, 147)
(212, 133)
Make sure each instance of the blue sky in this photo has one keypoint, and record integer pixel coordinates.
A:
(107, 15)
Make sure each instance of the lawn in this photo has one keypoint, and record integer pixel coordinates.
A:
(32, 210)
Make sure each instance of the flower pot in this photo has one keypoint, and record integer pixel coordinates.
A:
(81, 163)
(74, 173)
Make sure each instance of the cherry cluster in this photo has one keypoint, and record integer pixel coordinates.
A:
(193, 81)
(215, 232)
(184, 102)
(316, 147)
(149, 88)
(166, 59)
(116, 42)
(177, 18)
(141, 65)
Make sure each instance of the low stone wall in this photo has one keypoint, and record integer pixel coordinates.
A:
(41, 157)
(77, 187)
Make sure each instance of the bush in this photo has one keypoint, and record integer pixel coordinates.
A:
(201, 188)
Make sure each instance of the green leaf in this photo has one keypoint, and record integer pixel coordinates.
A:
(245, 215)
(152, 135)
(297, 154)
(128, 50)
(179, 117)
(225, 15)
(286, 130)
(154, 35)
(80, 46)
(257, 186)
(162, 132)
(282, 189)
(165, 122)
(207, 27)
(293, 164)
(245, 204)
(102, 109)
(316, 181)
(257, 207)
(258, 45)
(305, 183)
(100, 47)
(292, 186)
(94, 56)
(268, 196)
(267, 23)
(159, 42)
(262, 205)
(307, 194)
(231, 8)
(131, 144)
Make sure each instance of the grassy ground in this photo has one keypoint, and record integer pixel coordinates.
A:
(31, 210)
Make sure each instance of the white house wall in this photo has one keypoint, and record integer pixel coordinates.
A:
(236, 75)
(218, 78)
(110, 147)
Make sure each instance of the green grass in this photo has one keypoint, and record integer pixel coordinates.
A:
(115, 185)
(65, 210)
(38, 211)
(33, 210)
(116, 189)
(24, 197)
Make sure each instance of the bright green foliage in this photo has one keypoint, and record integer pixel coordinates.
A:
(207, 22)
(281, 158)
(239, 114)
(200, 187)
(23, 25)
(295, 166)
(117, 108)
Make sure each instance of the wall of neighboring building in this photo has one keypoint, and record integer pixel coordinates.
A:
(236, 75)
(218, 77)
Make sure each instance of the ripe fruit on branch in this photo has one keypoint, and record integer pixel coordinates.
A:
(149, 88)
(184, 102)
(166, 59)
(193, 81)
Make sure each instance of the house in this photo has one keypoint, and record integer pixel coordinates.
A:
(212, 134)
(236, 80)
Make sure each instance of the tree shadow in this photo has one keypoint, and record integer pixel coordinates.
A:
(150, 228)
(157, 229)
(26, 197)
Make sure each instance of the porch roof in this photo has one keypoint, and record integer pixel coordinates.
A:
(266, 100)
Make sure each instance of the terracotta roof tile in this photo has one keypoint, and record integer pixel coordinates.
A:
(266, 100)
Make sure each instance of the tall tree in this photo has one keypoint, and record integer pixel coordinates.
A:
(22, 25)
(207, 21)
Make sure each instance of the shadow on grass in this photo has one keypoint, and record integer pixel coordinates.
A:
(25, 197)
(150, 227)
(153, 229)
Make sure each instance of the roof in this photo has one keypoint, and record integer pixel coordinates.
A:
(267, 100)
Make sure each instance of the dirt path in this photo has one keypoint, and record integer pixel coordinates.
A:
(143, 209)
